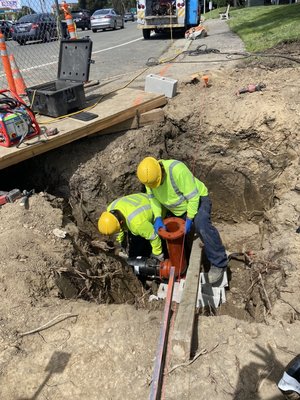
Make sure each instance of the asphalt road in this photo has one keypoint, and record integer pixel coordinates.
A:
(115, 54)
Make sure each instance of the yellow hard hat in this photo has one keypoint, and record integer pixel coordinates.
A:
(108, 224)
(149, 172)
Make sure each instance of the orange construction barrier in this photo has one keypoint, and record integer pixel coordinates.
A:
(6, 64)
(18, 79)
(69, 20)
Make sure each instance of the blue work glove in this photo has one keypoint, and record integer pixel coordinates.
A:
(188, 225)
(158, 223)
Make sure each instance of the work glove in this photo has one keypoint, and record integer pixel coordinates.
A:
(121, 250)
(188, 225)
(158, 223)
(160, 257)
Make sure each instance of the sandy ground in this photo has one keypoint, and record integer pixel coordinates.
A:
(74, 321)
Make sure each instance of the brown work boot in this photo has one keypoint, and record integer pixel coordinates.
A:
(215, 274)
(291, 395)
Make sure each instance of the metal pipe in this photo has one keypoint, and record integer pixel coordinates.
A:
(174, 236)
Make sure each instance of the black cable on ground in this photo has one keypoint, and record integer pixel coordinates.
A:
(203, 49)
(276, 55)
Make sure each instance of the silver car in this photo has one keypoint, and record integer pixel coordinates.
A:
(106, 18)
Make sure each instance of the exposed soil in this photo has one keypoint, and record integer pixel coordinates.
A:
(103, 333)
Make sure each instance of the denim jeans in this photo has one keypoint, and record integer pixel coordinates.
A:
(209, 235)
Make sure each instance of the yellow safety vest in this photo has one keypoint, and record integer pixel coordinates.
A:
(136, 210)
(179, 192)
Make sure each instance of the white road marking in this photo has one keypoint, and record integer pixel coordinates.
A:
(94, 52)
(118, 45)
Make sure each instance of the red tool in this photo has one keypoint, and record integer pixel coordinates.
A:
(9, 197)
(17, 120)
(3, 199)
(252, 88)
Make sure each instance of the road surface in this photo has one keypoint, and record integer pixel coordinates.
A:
(115, 52)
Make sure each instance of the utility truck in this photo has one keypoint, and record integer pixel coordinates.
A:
(167, 15)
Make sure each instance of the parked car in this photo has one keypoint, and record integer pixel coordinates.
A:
(6, 28)
(35, 27)
(128, 16)
(82, 19)
(106, 18)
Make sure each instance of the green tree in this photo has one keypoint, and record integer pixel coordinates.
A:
(25, 10)
(120, 5)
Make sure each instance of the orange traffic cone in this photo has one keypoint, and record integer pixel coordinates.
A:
(6, 64)
(69, 20)
(19, 81)
(71, 26)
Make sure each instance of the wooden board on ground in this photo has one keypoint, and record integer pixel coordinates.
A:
(184, 322)
(147, 118)
(111, 110)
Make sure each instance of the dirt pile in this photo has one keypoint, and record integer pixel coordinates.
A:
(246, 149)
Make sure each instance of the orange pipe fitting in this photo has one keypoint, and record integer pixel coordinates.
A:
(174, 236)
(205, 79)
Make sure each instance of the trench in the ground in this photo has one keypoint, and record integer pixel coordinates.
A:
(251, 290)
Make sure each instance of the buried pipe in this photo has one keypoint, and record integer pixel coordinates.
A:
(174, 236)
(150, 268)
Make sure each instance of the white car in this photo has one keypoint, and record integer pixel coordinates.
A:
(106, 18)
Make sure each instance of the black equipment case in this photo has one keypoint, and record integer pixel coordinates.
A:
(66, 94)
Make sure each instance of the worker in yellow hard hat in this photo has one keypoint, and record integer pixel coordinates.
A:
(171, 186)
(132, 216)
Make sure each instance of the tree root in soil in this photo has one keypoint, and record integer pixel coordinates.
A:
(262, 292)
(109, 283)
(54, 321)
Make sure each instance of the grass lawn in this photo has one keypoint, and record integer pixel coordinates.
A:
(263, 27)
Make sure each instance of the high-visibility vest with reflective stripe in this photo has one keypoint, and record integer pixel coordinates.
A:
(136, 210)
(179, 192)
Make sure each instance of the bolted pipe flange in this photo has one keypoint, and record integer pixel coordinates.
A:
(175, 228)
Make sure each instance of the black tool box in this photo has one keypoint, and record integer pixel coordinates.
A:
(66, 94)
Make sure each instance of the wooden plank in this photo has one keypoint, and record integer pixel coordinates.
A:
(184, 322)
(156, 384)
(118, 107)
(147, 118)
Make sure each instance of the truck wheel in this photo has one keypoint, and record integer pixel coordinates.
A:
(146, 34)
(94, 30)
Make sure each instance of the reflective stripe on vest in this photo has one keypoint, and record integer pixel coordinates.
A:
(133, 200)
(177, 191)
(153, 236)
(138, 211)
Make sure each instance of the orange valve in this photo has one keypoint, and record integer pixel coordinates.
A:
(174, 236)
(205, 79)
